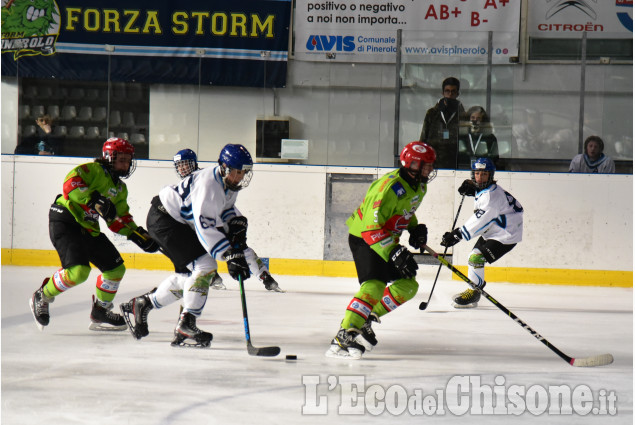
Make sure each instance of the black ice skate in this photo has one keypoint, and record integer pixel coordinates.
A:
(139, 308)
(104, 319)
(467, 299)
(269, 282)
(186, 332)
(40, 306)
(344, 345)
(217, 282)
(367, 336)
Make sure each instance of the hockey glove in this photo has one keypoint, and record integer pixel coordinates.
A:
(451, 238)
(236, 264)
(143, 240)
(467, 188)
(103, 206)
(237, 233)
(403, 261)
(418, 236)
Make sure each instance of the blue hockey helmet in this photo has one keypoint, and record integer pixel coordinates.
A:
(236, 157)
(483, 164)
(185, 162)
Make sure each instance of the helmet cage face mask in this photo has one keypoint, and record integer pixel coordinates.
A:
(244, 181)
(236, 157)
(483, 164)
(185, 162)
(185, 167)
(112, 147)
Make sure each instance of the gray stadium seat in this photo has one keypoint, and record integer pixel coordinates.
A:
(85, 113)
(77, 132)
(69, 112)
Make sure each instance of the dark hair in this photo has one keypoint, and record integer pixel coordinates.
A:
(451, 81)
(477, 109)
(594, 139)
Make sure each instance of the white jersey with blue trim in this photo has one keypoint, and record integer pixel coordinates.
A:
(201, 201)
(497, 215)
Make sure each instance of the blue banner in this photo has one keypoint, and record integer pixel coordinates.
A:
(221, 42)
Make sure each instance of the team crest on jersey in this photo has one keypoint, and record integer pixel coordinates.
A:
(398, 189)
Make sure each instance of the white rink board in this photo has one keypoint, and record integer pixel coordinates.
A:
(575, 221)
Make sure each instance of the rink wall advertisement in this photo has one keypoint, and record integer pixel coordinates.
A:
(435, 30)
(577, 227)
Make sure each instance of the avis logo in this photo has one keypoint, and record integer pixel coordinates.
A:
(327, 43)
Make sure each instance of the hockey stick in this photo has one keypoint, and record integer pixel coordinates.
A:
(253, 351)
(424, 304)
(599, 360)
(126, 225)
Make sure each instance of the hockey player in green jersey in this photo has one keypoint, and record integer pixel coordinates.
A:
(374, 229)
(90, 191)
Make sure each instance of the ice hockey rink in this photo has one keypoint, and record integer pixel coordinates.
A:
(440, 365)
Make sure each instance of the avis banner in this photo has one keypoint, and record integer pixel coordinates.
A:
(440, 31)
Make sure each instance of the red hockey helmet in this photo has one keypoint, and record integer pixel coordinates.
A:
(413, 157)
(112, 147)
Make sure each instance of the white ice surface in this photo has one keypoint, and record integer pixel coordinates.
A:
(69, 375)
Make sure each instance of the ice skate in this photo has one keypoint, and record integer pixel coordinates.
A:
(367, 336)
(269, 282)
(139, 308)
(104, 319)
(344, 345)
(467, 299)
(217, 283)
(40, 306)
(186, 334)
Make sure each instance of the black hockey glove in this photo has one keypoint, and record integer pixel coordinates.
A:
(237, 234)
(236, 264)
(103, 206)
(143, 240)
(467, 188)
(418, 236)
(451, 238)
(403, 261)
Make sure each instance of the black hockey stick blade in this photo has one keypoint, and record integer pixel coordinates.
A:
(262, 351)
(599, 360)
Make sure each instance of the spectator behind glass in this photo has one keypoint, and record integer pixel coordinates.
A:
(441, 124)
(476, 140)
(592, 160)
(43, 142)
(46, 144)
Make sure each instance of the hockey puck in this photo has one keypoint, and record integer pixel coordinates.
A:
(291, 357)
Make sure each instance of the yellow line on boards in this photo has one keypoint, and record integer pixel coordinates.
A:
(609, 278)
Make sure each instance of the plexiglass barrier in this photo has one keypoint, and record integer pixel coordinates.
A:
(527, 117)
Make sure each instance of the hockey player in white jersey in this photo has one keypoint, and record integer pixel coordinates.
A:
(497, 219)
(196, 223)
(185, 163)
